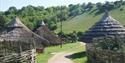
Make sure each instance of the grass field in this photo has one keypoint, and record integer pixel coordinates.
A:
(78, 57)
(85, 21)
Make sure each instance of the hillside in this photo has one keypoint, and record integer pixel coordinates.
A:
(86, 20)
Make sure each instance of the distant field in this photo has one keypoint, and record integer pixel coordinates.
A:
(78, 57)
(86, 20)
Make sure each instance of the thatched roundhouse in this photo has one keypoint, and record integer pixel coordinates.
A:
(106, 26)
(43, 31)
(18, 43)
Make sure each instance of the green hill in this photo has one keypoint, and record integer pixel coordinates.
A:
(85, 21)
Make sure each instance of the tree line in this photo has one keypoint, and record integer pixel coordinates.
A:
(31, 15)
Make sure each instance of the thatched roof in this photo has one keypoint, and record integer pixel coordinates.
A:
(105, 26)
(17, 31)
(43, 31)
(41, 23)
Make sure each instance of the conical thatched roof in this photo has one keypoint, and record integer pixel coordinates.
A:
(41, 23)
(16, 23)
(16, 31)
(105, 26)
(43, 31)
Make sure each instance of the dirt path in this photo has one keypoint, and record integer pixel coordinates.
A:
(60, 58)
(83, 44)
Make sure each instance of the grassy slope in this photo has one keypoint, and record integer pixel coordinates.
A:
(79, 23)
(86, 20)
(72, 47)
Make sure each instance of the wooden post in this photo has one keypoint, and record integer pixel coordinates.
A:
(61, 30)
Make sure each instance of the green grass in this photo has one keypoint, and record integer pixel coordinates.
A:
(72, 47)
(79, 57)
(85, 21)
(79, 23)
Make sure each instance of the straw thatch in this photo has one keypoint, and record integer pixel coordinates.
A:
(18, 32)
(105, 26)
(19, 42)
(43, 31)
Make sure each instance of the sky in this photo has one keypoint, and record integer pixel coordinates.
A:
(5, 4)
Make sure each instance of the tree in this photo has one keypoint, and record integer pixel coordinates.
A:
(89, 6)
(108, 6)
(11, 10)
(74, 36)
(75, 10)
(99, 5)
(52, 26)
(2, 22)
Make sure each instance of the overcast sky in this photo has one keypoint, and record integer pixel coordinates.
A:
(5, 4)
